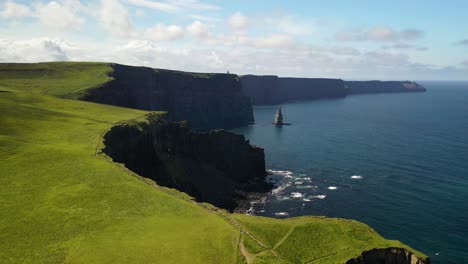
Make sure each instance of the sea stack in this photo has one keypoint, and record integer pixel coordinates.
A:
(279, 117)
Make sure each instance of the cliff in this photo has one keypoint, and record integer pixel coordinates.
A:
(217, 167)
(270, 89)
(359, 87)
(205, 100)
(265, 90)
(388, 256)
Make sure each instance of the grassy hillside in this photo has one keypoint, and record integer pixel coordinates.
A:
(63, 79)
(62, 201)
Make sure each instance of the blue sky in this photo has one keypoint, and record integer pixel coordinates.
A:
(414, 40)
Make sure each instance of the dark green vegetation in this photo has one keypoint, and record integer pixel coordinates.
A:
(63, 201)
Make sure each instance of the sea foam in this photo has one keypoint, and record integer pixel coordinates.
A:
(356, 177)
(332, 188)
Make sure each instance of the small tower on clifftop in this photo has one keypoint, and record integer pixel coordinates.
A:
(279, 117)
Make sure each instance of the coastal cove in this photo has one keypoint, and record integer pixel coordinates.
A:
(397, 162)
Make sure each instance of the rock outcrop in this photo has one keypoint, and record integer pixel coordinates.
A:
(388, 256)
(359, 87)
(205, 100)
(217, 167)
(267, 90)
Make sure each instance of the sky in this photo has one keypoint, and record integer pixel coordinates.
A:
(361, 39)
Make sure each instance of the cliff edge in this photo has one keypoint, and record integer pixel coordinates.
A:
(218, 167)
(206, 100)
(390, 255)
(359, 87)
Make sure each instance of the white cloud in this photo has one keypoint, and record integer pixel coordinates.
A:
(199, 29)
(12, 10)
(166, 7)
(161, 32)
(115, 18)
(273, 41)
(172, 6)
(63, 15)
(33, 50)
(238, 22)
(382, 33)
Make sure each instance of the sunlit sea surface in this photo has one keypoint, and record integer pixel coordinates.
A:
(398, 162)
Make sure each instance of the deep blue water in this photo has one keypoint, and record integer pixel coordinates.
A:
(411, 151)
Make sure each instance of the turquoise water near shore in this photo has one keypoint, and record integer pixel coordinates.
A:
(408, 154)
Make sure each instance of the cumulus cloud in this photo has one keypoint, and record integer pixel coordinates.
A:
(199, 29)
(115, 18)
(404, 46)
(33, 50)
(63, 15)
(238, 22)
(161, 32)
(12, 10)
(382, 34)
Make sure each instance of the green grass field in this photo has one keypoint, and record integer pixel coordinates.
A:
(62, 201)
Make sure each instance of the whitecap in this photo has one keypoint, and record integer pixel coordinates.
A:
(306, 200)
(320, 196)
(298, 183)
(296, 195)
(332, 188)
(281, 214)
(356, 177)
(306, 179)
(286, 174)
(305, 187)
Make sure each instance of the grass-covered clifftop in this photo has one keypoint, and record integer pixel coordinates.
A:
(63, 201)
(206, 100)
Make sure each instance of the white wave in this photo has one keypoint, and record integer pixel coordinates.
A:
(332, 188)
(298, 183)
(356, 177)
(281, 214)
(306, 187)
(282, 198)
(320, 196)
(296, 195)
(286, 174)
(280, 188)
(306, 200)
(306, 179)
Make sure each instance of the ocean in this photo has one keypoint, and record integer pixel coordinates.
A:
(397, 162)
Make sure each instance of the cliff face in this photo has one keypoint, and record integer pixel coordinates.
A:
(265, 90)
(388, 256)
(218, 167)
(358, 87)
(205, 100)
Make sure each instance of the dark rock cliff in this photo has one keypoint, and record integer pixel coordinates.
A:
(270, 89)
(388, 256)
(265, 90)
(358, 87)
(217, 167)
(205, 100)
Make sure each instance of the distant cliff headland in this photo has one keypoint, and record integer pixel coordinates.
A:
(206, 100)
(271, 89)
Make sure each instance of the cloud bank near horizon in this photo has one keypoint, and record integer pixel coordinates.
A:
(194, 35)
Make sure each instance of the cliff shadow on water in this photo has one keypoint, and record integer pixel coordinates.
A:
(218, 167)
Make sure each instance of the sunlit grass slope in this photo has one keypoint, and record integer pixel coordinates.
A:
(63, 79)
(59, 202)
(312, 239)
